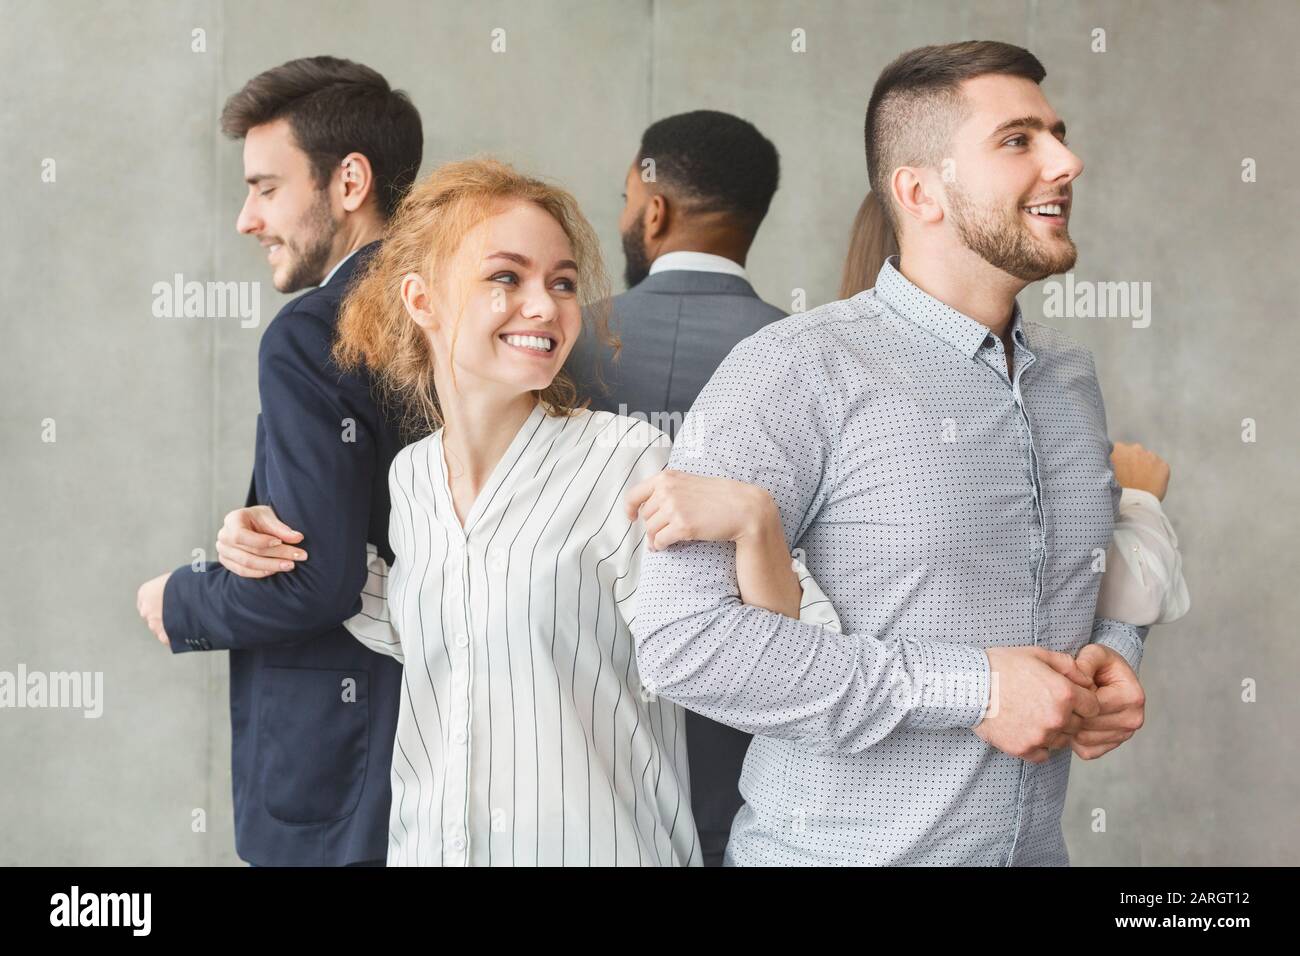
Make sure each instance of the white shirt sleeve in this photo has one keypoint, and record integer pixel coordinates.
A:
(814, 606)
(372, 625)
(1144, 582)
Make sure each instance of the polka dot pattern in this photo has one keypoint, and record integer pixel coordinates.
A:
(944, 507)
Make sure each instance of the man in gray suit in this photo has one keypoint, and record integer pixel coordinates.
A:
(696, 193)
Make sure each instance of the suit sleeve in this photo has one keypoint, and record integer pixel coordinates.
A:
(320, 453)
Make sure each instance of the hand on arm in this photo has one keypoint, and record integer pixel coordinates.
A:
(254, 543)
(677, 506)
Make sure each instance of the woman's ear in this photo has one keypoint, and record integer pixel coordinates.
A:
(418, 300)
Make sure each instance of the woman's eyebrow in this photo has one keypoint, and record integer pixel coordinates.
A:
(520, 258)
(524, 261)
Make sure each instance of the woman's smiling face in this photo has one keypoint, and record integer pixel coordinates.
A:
(507, 301)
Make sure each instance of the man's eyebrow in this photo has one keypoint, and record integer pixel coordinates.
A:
(256, 178)
(524, 261)
(1028, 122)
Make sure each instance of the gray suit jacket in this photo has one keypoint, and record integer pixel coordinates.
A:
(677, 326)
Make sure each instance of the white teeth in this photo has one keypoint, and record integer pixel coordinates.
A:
(1050, 209)
(530, 342)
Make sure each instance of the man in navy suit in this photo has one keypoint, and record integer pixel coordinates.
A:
(329, 150)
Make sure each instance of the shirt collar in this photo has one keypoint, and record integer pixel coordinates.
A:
(697, 262)
(920, 308)
(337, 265)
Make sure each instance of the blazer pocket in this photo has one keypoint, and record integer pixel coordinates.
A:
(313, 742)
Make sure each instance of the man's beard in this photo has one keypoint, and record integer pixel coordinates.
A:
(1006, 241)
(307, 262)
(637, 262)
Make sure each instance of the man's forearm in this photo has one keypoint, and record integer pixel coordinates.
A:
(767, 673)
(216, 610)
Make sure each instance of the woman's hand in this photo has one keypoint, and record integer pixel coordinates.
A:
(677, 506)
(252, 543)
(1137, 467)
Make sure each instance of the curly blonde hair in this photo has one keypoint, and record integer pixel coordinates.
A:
(375, 331)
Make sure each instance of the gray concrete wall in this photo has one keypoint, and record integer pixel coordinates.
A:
(154, 417)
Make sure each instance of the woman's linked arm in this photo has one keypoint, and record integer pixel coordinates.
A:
(1143, 583)
(373, 625)
(677, 506)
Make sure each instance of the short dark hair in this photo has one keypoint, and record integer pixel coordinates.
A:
(917, 103)
(335, 107)
(716, 162)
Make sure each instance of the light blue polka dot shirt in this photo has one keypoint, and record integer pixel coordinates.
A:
(943, 507)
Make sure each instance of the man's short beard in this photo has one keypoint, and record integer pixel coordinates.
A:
(637, 261)
(307, 263)
(1006, 242)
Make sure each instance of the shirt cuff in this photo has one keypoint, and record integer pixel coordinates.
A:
(1140, 497)
(954, 685)
(1127, 640)
(814, 606)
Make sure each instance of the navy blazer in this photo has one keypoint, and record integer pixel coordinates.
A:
(313, 712)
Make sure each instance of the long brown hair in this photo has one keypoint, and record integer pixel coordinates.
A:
(433, 219)
(871, 242)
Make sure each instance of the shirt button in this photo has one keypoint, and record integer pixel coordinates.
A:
(462, 640)
(458, 843)
(460, 737)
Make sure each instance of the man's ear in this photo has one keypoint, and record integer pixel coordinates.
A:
(655, 216)
(356, 181)
(913, 190)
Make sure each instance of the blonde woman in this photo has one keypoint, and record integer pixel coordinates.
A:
(518, 523)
